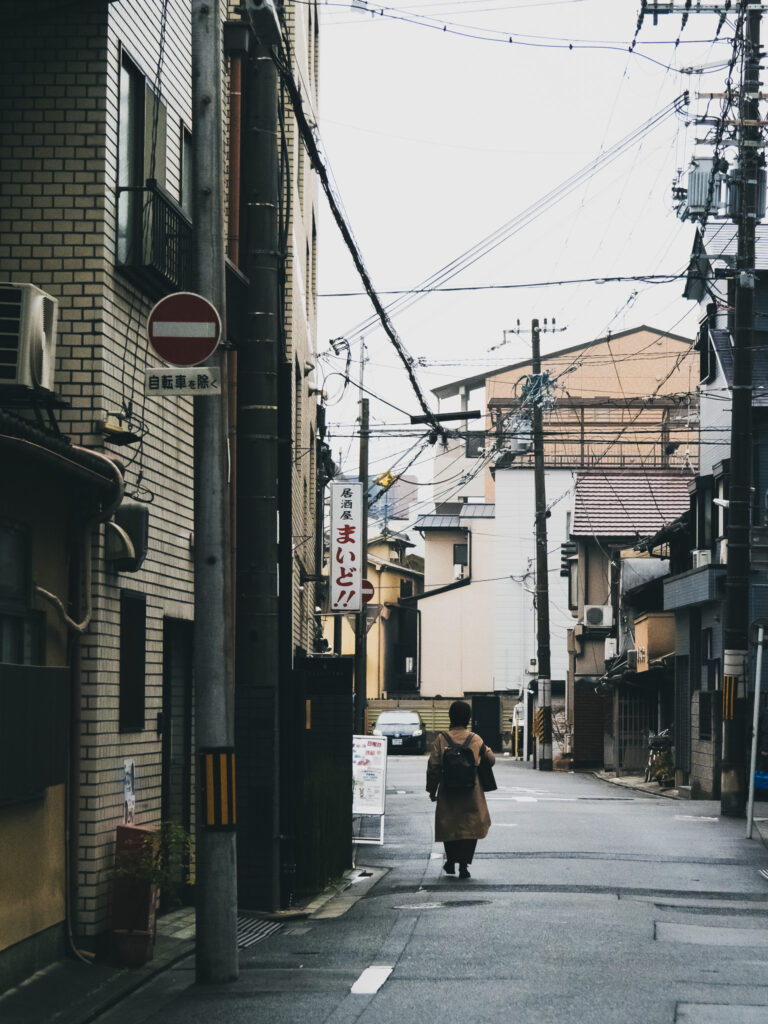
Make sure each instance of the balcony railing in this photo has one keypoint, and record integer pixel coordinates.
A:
(154, 239)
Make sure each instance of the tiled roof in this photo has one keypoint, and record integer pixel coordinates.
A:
(627, 505)
(432, 522)
(478, 510)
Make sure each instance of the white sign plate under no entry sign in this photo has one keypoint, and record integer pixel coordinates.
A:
(169, 381)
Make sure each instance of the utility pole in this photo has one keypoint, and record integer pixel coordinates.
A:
(361, 633)
(737, 590)
(258, 638)
(216, 898)
(543, 671)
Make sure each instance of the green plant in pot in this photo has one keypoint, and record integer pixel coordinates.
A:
(147, 861)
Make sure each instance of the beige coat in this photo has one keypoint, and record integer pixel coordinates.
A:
(459, 814)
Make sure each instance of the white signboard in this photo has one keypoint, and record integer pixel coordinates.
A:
(369, 774)
(168, 381)
(347, 559)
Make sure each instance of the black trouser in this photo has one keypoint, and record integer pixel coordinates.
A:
(459, 851)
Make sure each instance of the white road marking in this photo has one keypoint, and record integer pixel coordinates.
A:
(371, 980)
(694, 817)
(182, 329)
(504, 824)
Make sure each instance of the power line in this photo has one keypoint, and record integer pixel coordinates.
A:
(319, 165)
(645, 278)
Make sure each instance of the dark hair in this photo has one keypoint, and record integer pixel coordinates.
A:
(460, 713)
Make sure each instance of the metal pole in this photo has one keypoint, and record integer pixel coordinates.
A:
(755, 727)
(736, 611)
(361, 635)
(544, 698)
(216, 895)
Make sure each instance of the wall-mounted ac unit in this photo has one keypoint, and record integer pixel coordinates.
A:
(701, 557)
(598, 616)
(27, 336)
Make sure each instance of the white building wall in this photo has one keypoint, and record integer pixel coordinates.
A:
(515, 556)
(450, 467)
(457, 626)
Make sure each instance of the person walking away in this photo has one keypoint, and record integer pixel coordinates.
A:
(461, 814)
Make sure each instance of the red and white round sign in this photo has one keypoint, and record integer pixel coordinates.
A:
(367, 591)
(184, 329)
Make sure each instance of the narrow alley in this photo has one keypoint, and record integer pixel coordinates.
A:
(587, 902)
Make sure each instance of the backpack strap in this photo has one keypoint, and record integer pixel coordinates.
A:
(454, 744)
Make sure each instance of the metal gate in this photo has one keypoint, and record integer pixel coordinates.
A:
(634, 722)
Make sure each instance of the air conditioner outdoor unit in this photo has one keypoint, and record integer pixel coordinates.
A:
(701, 557)
(27, 336)
(598, 616)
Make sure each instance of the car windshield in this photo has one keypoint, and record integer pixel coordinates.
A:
(390, 717)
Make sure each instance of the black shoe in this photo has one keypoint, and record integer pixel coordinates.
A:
(463, 872)
(449, 868)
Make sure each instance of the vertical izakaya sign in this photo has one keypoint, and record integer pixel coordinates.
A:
(347, 557)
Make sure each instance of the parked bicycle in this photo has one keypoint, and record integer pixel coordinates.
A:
(659, 767)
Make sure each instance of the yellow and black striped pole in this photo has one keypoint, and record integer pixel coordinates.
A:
(217, 789)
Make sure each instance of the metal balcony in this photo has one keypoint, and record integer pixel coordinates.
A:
(154, 239)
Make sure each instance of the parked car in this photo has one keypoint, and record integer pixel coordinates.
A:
(404, 731)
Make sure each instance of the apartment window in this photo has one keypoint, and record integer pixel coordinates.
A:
(133, 643)
(573, 584)
(141, 154)
(185, 189)
(130, 151)
(21, 630)
(475, 444)
(460, 554)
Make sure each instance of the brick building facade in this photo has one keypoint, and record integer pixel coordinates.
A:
(95, 129)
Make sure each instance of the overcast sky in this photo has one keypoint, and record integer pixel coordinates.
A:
(437, 139)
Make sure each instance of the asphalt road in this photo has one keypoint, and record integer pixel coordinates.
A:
(588, 904)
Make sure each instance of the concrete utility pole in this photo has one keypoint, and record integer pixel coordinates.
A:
(216, 897)
(361, 634)
(737, 589)
(543, 671)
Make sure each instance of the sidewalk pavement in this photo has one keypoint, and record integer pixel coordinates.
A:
(638, 783)
(79, 991)
(73, 992)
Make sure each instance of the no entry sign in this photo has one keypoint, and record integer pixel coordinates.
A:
(184, 329)
(367, 591)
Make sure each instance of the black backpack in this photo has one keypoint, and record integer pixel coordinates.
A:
(459, 768)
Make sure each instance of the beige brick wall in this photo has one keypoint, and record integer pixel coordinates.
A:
(59, 89)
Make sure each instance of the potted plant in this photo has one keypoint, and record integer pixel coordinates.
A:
(147, 861)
